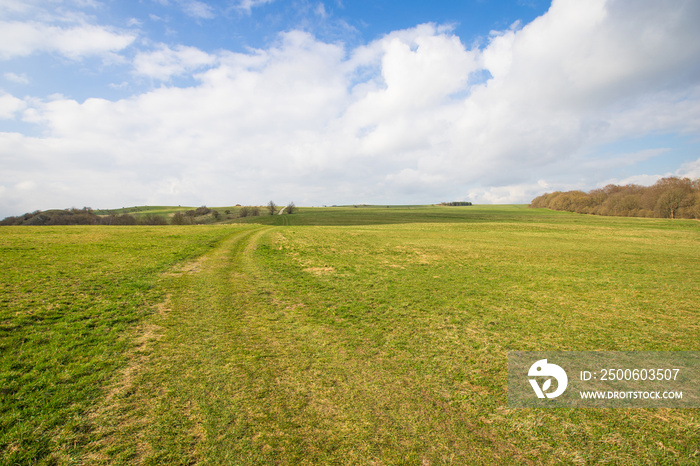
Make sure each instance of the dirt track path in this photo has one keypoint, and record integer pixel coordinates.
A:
(188, 374)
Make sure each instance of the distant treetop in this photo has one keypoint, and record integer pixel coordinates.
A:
(669, 198)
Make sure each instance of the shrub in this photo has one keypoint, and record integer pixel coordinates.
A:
(153, 219)
(180, 219)
(126, 219)
(204, 210)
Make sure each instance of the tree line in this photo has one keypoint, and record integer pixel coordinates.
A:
(670, 197)
(84, 216)
(456, 203)
(87, 216)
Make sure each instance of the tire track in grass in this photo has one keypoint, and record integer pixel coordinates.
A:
(228, 381)
(209, 389)
(240, 373)
(367, 405)
(325, 400)
(152, 413)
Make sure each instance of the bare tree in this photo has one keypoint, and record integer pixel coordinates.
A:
(290, 208)
(670, 202)
(272, 207)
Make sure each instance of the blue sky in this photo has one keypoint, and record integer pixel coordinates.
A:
(234, 26)
(109, 103)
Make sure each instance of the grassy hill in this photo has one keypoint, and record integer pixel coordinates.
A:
(336, 215)
(339, 335)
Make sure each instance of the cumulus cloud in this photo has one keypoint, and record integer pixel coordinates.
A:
(9, 106)
(397, 120)
(690, 170)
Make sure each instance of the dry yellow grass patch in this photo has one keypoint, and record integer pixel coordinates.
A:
(188, 268)
(320, 270)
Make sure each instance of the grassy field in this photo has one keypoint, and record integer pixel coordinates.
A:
(345, 335)
(382, 215)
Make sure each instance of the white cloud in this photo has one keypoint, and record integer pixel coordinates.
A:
(193, 8)
(513, 194)
(621, 160)
(165, 62)
(10, 106)
(19, 39)
(16, 7)
(121, 85)
(394, 120)
(197, 9)
(16, 78)
(690, 169)
(642, 180)
(248, 5)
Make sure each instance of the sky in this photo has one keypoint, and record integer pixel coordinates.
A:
(112, 103)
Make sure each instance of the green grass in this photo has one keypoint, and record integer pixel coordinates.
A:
(143, 210)
(70, 298)
(366, 335)
(376, 215)
(390, 215)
